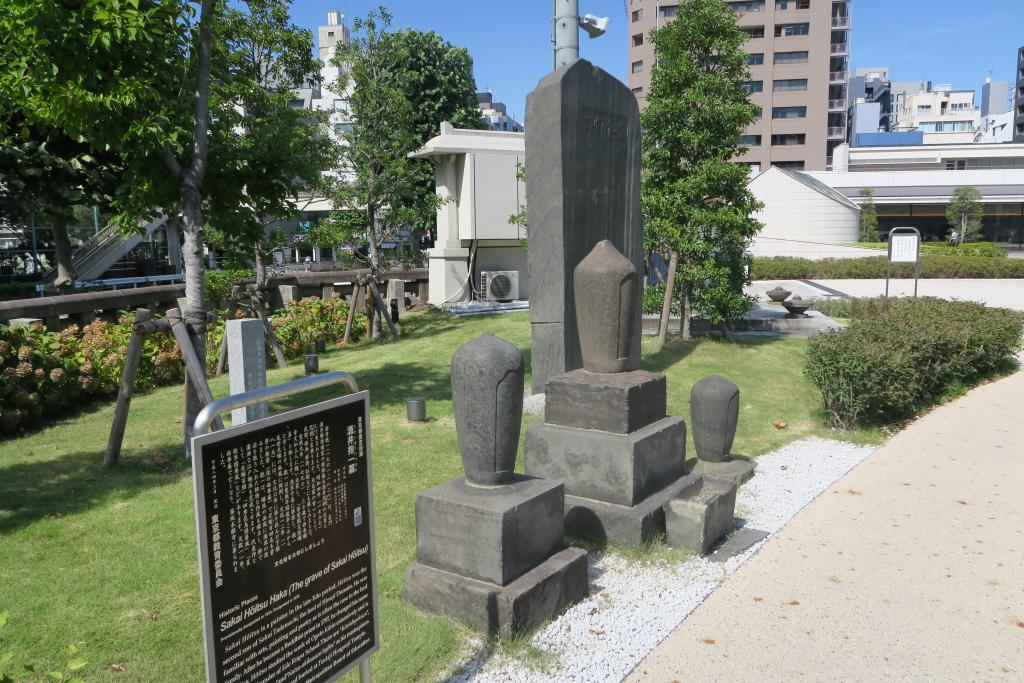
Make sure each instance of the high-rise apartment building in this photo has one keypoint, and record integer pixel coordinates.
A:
(1018, 100)
(798, 53)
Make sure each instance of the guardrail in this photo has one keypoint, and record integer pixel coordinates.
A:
(57, 312)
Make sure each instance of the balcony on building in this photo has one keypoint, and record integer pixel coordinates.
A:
(838, 76)
(837, 132)
(840, 48)
(838, 104)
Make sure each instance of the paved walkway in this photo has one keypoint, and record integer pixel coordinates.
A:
(1004, 293)
(911, 567)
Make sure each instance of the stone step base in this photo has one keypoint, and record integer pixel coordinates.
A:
(596, 520)
(535, 597)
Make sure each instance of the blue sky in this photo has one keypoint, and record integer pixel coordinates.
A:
(945, 41)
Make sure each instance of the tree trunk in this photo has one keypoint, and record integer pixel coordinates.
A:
(666, 307)
(686, 312)
(963, 229)
(62, 252)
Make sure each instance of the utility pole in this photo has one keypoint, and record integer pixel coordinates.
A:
(565, 30)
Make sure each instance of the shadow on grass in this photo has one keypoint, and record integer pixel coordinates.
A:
(389, 385)
(74, 482)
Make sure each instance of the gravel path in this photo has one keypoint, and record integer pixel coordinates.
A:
(634, 605)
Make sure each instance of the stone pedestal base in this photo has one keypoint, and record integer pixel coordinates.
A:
(536, 596)
(701, 514)
(623, 469)
(586, 518)
(736, 470)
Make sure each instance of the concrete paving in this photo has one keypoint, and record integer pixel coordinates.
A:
(908, 568)
(1005, 293)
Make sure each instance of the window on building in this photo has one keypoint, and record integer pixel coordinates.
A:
(638, 40)
(637, 15)
(667, 11)
(752, 86)
(342, 128)
(787, 139)
(945, 126)
(790, 165)
(341, 104)
(789, 84)
(923, 108)
(638, 90)
(754, 31)
(755, 58)
(637, 66)
(789, 112)
(956, 165)
(297, 104)
(792, 4)
(784, 30)
(747, 5)
(749, 140)
(960, 106)
(791, 57)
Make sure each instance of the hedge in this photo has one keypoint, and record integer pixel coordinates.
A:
(900, 356)
(988, 249)
(873, 267)
(49, 374)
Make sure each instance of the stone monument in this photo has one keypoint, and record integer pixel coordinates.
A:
(582, 186)
(714, 414)
(247, 364)
(489, 545)
(605, 433)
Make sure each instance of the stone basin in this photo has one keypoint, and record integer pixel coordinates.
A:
(797, 307)
(778, 295)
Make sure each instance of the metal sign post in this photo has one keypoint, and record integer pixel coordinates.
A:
(904, 247)
(285, 529)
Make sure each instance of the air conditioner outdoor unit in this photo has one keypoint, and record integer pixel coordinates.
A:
(499, 285)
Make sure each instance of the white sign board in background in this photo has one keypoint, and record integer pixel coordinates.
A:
(903, 248)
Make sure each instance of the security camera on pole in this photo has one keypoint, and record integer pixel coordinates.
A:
(567, 22)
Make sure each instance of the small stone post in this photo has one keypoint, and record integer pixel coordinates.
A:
(247, 364)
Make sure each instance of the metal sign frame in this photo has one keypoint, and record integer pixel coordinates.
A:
(202, 436)
(901, 232)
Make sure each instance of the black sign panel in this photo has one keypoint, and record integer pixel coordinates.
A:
(284, 514)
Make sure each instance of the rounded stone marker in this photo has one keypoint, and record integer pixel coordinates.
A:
(487, 391)
(605, 285)
(714, 412)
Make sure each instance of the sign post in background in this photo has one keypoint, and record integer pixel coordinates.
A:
(284, 514)
(904, 247)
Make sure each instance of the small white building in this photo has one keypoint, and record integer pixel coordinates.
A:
(478, 181)
(804, 217)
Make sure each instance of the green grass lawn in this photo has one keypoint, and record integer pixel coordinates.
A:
(108, 558)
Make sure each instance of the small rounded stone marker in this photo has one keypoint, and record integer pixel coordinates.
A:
(487, 391)
(714, 413)
(605, 288)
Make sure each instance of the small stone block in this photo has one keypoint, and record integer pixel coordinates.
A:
(615, 468)
(24, 322)
(495, 533)
(620, 402)
(738, 542)
(635, 525)
(700, 514)
(535, 597)
(736, 470)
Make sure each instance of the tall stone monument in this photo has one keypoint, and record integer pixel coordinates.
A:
(605, 433)
(582, 186)
(247, 365)
(489, 545)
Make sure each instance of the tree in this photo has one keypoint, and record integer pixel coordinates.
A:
(696, 204)
(965, 214)
(437, 78)
(868, 216)
(74, 84)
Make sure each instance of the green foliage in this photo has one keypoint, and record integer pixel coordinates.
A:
(310, 320)
(964, 213)
(46, 374)
(68, 672)
(900, 356)
(873, 267)
(218, 283)
(990, 249)
(868, 216)
(695, 201)
(654, 298)
(404, 84)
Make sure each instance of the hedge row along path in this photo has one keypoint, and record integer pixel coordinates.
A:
(907, 568)
(997, 293)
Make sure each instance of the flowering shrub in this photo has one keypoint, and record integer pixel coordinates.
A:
(311, 320)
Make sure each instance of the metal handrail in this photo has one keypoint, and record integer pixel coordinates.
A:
(248, 398)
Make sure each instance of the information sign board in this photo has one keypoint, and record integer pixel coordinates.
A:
(904, 248)
(284, 516)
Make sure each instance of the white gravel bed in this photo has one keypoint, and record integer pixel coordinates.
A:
(634, 605)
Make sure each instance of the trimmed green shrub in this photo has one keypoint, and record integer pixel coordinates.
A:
(654, 298)
(311, 320)
(987, 249)
(899, 356)
(873, 267)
